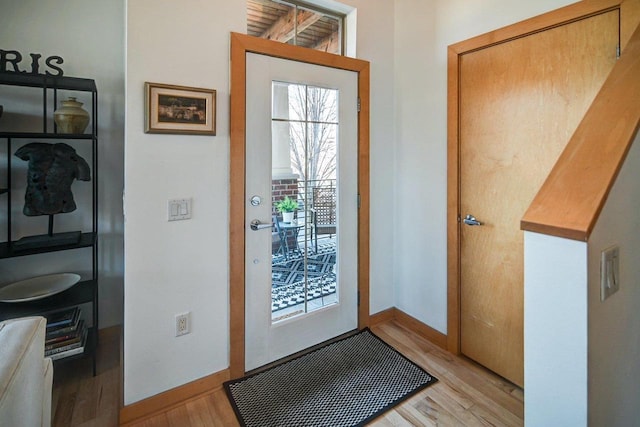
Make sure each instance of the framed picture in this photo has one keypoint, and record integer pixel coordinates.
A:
(179, 109)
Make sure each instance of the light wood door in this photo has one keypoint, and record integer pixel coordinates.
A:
(520, 101)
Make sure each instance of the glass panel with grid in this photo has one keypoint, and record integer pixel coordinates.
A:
(291, 23)
(305, 125)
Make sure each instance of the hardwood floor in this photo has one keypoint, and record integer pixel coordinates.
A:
(465, 395)
(79, 398)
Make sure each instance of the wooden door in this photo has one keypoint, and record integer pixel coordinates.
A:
(520, 101)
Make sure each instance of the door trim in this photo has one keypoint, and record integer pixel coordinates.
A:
(241, 44)
(536, 24)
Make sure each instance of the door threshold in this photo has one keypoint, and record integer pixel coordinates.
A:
(301, 353)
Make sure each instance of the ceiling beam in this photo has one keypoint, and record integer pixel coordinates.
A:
(328, 44)
(284, 28)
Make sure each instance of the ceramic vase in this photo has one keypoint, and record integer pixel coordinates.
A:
(71, 118)
(287, 217)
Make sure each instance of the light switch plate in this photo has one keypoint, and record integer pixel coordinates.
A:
(179, 209)
(609, 272)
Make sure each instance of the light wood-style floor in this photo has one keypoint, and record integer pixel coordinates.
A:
(465, 395)
(79, 398)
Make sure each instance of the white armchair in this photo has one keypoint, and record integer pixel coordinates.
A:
(26, 376)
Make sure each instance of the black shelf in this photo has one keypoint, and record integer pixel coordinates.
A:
(35, 135)
(53, 82)
(80, 293)
(85, 292)
(7, 250)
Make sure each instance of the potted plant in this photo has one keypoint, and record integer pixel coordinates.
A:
(287, 206)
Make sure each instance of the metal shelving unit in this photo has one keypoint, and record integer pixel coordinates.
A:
(85, 291)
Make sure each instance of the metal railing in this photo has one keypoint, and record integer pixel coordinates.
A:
(305, 191)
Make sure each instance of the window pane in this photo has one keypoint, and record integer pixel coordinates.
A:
(287, 23)
(324, 34)
(263, 15)
(304, 149)
(322, 105)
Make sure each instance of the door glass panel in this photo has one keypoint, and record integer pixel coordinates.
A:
(304, 163)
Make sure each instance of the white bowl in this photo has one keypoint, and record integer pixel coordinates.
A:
(38, 287)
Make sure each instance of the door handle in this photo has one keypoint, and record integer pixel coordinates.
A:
(257, 225)
(471, 220)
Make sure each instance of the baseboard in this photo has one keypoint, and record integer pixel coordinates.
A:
(171, 398)
(382, 316)
(410, 323)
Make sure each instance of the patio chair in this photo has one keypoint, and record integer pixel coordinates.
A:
(288, 234)
(323, 212)
(278, 235)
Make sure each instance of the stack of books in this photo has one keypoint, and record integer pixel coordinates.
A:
(66, 333)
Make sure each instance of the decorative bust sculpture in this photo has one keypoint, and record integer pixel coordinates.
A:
(52, 169)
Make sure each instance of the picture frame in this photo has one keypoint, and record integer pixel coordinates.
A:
(179, 109)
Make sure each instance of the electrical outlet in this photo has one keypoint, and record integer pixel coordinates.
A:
(609, 272)
(183, 326)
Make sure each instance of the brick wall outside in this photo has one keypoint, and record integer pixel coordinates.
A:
(281, 188)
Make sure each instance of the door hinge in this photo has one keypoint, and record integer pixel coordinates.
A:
(358, 298)
(359, 201)
(358, 104)
(618, 51)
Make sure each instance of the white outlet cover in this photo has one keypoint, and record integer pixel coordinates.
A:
(183, 324)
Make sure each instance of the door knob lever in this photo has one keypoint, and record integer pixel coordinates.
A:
(257, 225)
(471, 220)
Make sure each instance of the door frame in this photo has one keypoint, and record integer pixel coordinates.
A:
(558, 17)
(241, 44)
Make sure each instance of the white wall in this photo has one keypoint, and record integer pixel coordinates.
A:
(375, 43)
(182, 266)
(424, 29)
(420, 165)
(89, 35)
(614, 324)
(555, 331)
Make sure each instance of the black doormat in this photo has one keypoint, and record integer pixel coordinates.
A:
(344, 383)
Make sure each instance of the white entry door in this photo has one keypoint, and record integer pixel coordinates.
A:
(301, 142)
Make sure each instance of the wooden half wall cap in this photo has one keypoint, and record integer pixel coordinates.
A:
(570, 200)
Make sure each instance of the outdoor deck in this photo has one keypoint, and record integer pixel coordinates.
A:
(291, 288)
